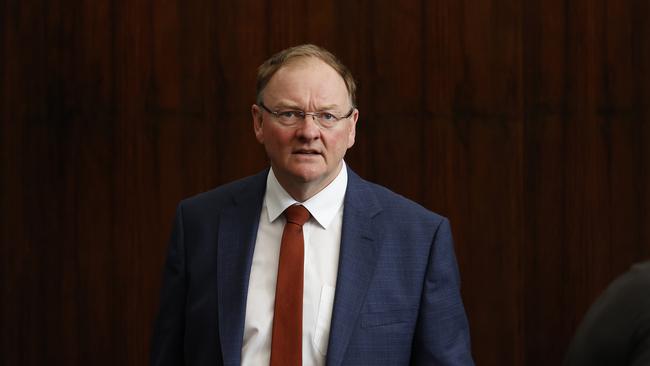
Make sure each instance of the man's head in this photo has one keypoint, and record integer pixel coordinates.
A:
(306, 152)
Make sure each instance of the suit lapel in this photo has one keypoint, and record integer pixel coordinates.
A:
(357, 261)
(236, 242)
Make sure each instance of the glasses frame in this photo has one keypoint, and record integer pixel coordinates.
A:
(303, 115)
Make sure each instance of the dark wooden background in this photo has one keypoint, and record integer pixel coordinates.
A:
(525, 122)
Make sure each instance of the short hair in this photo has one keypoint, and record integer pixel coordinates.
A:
(266, 70)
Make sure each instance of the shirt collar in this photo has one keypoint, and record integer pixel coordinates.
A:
(323, 206)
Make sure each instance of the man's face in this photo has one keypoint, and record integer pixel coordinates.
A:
(305, 155)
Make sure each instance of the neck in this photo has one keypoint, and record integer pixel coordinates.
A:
(302, 191)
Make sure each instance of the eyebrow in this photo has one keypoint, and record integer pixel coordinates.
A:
(329, 107)
(282, 105)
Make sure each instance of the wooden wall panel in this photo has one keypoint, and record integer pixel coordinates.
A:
(477, 102)
(524, 122)
(584, 183)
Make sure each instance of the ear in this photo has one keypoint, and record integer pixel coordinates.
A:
(353, 127)
(257, 123)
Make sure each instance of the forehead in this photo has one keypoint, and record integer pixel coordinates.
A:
(306, 81)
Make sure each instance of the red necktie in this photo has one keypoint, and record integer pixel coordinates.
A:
(286, 344)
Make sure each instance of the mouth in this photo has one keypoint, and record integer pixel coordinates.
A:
(306, 152)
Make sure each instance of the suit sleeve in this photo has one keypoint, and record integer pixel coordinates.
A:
(616, 328)
(167, 340)
(442, 331)
(641, 353)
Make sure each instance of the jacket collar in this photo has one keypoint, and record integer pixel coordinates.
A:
(236, 242)
(357, 260)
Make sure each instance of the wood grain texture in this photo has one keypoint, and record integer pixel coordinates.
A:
(524, 122)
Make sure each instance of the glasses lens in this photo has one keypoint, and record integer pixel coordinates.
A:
(326, 119)
(289, 118)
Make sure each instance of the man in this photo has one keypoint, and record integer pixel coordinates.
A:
(362, 277)
(616, 329)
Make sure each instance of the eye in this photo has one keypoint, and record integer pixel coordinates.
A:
(325, 116)
(289, 114)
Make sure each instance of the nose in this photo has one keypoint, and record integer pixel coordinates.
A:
(309, 128)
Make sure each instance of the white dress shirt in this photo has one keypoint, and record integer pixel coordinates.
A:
(322, 238)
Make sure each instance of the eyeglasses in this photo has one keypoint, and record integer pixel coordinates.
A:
(291, 118)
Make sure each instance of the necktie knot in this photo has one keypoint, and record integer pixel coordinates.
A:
(297, 214)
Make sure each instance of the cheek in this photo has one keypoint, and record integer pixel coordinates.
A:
(338, 144)
(276, 139)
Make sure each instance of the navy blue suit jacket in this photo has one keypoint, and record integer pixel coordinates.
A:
(397, 298)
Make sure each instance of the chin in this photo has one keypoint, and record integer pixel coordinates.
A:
(307, 175)
(307, 178)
